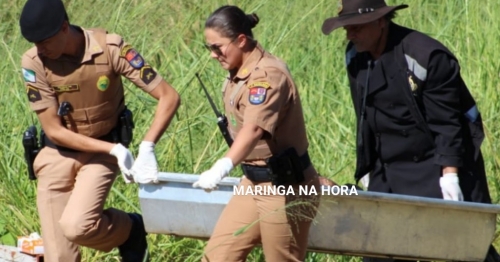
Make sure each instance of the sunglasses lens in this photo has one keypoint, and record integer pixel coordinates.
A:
(214, 48)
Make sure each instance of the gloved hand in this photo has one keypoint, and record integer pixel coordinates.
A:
(209, 179)
(365, 180)
(145, 168)
(450, 187)
(125, 161)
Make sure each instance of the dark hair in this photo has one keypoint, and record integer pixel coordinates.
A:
(231, 21)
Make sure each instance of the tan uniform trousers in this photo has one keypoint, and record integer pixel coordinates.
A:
(249, 220)
(72, 189)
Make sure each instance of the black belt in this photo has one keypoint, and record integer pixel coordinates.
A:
(263, 174)
(48, 143)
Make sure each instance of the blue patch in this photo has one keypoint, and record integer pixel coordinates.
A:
(257, 95)
(134, 59)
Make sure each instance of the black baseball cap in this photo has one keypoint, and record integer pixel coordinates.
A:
(42, 19)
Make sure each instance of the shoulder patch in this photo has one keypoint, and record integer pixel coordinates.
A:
(33, 94)
(264, 85)
(114, 39)
(125, 49)
(132, 56)
(258, 92)
(29, 75)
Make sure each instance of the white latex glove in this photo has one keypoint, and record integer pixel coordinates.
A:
(125, 161)
(365, 180)
(209, 179)
(450, 187)
(145, 168)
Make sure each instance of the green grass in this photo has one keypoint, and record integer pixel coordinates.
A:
(169, 34)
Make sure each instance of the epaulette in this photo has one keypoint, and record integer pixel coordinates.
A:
(114, 39)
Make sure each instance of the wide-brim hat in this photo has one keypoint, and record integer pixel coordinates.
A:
(355, 12)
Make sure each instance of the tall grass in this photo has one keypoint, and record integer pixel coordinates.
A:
(169, 34)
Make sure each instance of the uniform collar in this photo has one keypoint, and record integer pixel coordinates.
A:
(248, 66)
(92, 47)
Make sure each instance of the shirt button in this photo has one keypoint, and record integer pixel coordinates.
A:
(415, 158)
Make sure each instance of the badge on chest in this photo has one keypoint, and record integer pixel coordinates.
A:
(257, 92)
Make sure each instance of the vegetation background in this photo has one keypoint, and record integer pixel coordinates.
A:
(169, 34)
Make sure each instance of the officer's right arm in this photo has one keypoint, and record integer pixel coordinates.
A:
(43, 100)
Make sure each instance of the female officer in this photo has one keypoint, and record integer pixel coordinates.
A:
(266, 121)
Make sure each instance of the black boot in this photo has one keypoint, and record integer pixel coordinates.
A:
(135, 248)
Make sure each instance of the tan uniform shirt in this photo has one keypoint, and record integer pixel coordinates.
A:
(263, 93)
(91, 84)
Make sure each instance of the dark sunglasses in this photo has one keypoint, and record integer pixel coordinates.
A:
(216, 48)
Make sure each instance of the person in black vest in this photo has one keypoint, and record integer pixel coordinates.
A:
(419, 130)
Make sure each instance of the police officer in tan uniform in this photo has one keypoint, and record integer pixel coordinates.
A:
(266, 122)
(73, 82)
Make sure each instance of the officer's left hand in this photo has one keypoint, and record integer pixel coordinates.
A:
(145, 168)
(450, 187)
(209, 179)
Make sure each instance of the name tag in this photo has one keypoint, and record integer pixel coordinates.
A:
(66, 88)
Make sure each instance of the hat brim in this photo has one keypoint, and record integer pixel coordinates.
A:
(333, 23)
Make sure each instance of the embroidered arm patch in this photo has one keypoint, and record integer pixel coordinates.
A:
(132, 56)
(147, 74)
(29, 75)
(33, 94)
(257, 92)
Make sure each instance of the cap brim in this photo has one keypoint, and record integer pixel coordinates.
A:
(333, 23)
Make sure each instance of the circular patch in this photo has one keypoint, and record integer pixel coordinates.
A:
(103, 83)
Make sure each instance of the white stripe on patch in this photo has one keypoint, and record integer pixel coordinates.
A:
(29, 75)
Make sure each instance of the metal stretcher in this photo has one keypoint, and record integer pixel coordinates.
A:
(367, 224)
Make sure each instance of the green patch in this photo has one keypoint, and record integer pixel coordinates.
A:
(103, 83)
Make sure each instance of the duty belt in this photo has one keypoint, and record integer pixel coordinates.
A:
(263, 174)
